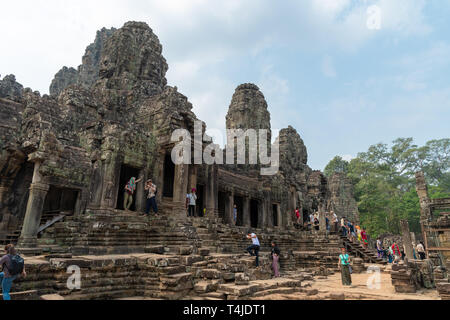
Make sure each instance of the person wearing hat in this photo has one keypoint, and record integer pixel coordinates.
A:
(192, 202)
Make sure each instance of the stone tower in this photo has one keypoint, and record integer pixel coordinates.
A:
(249, 110)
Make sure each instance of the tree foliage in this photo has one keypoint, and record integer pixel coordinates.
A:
(384, 181)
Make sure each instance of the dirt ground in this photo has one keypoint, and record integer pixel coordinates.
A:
(331, 288)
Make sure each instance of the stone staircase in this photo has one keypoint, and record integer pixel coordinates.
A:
(356, 249)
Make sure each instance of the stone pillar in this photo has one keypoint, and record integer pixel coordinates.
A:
(180, 188)
(266, 211)
(322, 220)
(35, 206)
(111, 181)
(246, 212)
(406, 235)
(425, 211)
(140, 192)
(231, 208)
(211, 203)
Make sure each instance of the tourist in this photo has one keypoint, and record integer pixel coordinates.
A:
(327, 223)
(151, 197)
(335, 221)
(276, 259)
(421, 251)
(235, 214)
(130, 188)
(358, 232)
(255, 247)
(192, 202)
(390, 254)
(316, 221)
(297, 214)
(396, 252)
(365, 240)
(344, 266)
(343, 228)
(379, 248)
(11, 270)
(351, 231)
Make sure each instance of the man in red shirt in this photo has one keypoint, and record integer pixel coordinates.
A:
(397, 253)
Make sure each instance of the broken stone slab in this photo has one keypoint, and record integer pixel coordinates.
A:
(185, 251)
(242, 279)
(204, 252)
(210, 274)
(155, 249)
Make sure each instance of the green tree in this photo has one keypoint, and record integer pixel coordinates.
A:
(384, 181)
(337, 165)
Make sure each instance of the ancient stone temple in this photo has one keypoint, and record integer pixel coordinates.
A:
(66, 157)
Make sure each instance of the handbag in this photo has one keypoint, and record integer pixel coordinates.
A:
(350, 269)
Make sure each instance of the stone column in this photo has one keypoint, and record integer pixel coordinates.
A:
(231, 208)
(406, 235)
(140, 192)
(111, 181)
(211, 193)
(180, 189)
(246, 212)
(35, 206)
(322, 221)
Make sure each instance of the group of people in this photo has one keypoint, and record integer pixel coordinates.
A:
(394, 253)
(254, 249)
(151, 192)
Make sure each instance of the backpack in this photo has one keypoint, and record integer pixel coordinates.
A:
(17, 265)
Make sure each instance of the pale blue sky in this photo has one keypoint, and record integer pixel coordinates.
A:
(343, 86)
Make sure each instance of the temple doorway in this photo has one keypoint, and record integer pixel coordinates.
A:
(126, 173)
(200, 200)
(239, 202)
(275, 215)
(169, 176)
(222, 204)
(254, 213)
(57, 201)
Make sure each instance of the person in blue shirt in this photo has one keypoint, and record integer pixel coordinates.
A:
(344, 266)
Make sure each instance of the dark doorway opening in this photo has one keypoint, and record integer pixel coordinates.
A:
(275, 215)
(126, 173)
(239, 202)
(57, 201)
(169, 176)
(305, 215)
(254, 213)
(200, 200)
(222, 204)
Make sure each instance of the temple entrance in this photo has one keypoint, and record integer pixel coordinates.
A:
(57, 201)
(222, 204)
(169, 176)
(200, 200)
(275, 215)
(239, 202)
(254, 213)
(126, 173)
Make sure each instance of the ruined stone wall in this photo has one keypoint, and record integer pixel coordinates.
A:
(342, 200)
